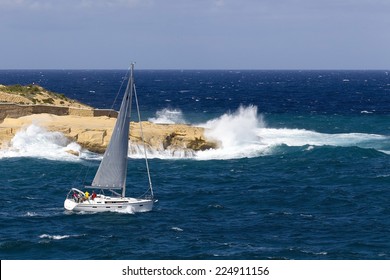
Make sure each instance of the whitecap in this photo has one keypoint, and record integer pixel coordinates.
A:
(55, 237)
(302, 137)
(30, 214)
(382, 176)
(30, 198)
(168, 116)
(176, 229)
(314, 253)
(306, 215)
(385, 152)
(216, 206)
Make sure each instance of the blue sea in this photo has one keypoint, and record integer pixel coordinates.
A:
(303, 171)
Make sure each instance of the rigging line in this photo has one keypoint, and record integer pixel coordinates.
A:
(120, 89)
(85, 177)
(77, 179)
(143, 140)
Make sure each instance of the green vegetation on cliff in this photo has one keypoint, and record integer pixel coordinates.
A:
(34, 94)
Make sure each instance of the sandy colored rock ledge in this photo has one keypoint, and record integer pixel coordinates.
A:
(21, 106)
(94, 133)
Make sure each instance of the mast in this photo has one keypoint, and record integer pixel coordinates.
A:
(130, 85)
(112, 170)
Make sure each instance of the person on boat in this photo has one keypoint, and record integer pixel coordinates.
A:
(75, 197)
(93, 195)
(86, 196)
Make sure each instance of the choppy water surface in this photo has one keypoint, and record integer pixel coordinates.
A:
(303, 171)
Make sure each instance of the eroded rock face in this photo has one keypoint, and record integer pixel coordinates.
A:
(91, 128)
(171, 136)
(94, 133)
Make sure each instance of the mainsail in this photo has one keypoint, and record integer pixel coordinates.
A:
(113, 168)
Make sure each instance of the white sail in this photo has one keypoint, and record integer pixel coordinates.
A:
(113, 168)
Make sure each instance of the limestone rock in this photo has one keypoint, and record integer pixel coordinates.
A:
(94, 133)
(21, 106)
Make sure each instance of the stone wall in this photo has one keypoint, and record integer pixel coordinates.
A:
(55, 110)
(80, 112)
(16, 111)
(105, 113)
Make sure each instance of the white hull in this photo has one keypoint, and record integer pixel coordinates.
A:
(110, 204)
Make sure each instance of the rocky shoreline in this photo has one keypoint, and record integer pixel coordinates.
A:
(94, 132)
(21, 106)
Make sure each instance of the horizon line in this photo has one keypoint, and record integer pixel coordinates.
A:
(194, 69)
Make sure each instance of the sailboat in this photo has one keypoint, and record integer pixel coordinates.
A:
(112, 172)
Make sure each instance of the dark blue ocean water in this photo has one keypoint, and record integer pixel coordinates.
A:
(304, 171)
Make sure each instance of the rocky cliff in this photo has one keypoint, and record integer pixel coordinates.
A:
(94, 133)
(21, 106)
(36, 95)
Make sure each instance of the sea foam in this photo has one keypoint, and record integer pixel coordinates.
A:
(55, 237)
(36, 141)
(241, 134)
(244, 133)
(237, 134)
(168, 116)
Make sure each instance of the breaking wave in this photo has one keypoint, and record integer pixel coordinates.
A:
(244, 134)
(237, 134)
(36, 141)
(54, 237)
(168, 116)
(241, 134)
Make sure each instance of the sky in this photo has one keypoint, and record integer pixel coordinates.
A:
(195, 34)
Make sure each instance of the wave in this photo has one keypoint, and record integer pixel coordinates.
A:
(55, 237)
(35, 141)
(244, 134)
(30, 214)
(241, 134)
(237, 134)
(46, 237)
(168, 116)
(301, 137)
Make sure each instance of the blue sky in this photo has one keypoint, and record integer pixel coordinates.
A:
(195, 34)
